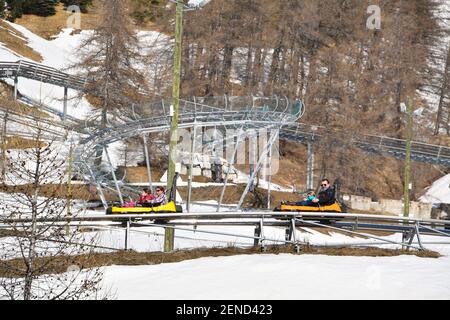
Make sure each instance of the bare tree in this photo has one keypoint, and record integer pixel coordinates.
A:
(29, 256)
(111, 57)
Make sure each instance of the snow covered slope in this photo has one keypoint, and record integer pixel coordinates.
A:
(60, 53)
(57, 53)
(285, 277)
(439, 192)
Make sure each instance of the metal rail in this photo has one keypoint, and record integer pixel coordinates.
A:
(236, 113)
(421, 152)
(42, 73)
(354, 224)
(399, 222)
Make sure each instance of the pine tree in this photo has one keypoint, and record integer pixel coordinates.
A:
(2, 8)
(43, 8)
(147, 10)
(83, 4)
(16, 9)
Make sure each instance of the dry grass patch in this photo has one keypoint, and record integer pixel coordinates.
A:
(139, 174)
(19, 143)
(80, 192)
(15, 41)
(11, 233)
(130, 258)
(48, 27)
(21, 108)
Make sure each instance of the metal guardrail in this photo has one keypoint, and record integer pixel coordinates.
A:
(347, 223)
(421, 152)
(41, 73)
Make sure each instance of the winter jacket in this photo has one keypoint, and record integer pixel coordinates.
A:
(160, 200)
(327, 197)
(146, 198)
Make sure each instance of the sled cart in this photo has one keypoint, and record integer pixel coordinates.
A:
(292, 207)
(170, 207)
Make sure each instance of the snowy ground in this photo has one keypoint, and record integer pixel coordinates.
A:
(273, 276)
(285, 277)
(439, 191)
(276, 276)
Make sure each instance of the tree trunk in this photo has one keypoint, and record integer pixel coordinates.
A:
(249, 68)
(29, 260)
(227, 65)
(444, 91)
(4, 147)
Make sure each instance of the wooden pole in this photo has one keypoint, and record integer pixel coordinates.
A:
(409, 134)
(170, 233)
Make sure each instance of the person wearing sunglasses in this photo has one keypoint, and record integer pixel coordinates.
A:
(161, 198)
(327, 195)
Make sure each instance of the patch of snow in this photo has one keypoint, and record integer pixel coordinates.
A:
(198, 3)
(263, 184)
(265, 277)
(439, 192)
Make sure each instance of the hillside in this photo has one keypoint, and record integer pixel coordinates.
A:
(134, 165)
(50, 44)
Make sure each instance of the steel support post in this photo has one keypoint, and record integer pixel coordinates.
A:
(127, 235)
(288, 234)
(147, 162)
(269, 179)
(409, 130)
(16, 83)
(191, 168)
(419, 239)
(270, 143)
(111, 168)
(253, 145)
(408, 237)
(65, 104)
(310, 168)
(258, 231)
(231, 161)
(99, 187)
(262, 242)
(294, 236)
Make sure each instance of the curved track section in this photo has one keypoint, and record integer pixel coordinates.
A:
(242, 114)
(41, 73)
(421, 152)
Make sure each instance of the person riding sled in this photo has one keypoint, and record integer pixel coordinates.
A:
(146, 197)
(160, 200)
(326, 197)
(309, 200)
(327, 194)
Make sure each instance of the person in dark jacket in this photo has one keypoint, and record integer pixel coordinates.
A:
(327, 195)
